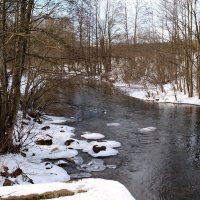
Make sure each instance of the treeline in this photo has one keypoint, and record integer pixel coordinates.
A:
(45, 43)
(168, 51)
(32, 61)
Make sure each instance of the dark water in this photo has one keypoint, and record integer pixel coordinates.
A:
(162, 164)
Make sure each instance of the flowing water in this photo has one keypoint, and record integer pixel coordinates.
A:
(160, 164)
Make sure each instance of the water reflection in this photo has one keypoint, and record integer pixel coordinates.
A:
(160, 164)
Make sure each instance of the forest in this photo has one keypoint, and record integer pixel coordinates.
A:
(45, 43)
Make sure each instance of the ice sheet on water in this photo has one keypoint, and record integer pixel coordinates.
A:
(107, 143)
(109, 151)
(147, 129)
(77, 144)
(81, 175)
(113, 124)
(61, 162)
(68, 153)
(111, 166)
(92, 136)
(78, 160)
(94, 165)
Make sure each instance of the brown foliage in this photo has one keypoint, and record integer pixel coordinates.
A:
(46, 195)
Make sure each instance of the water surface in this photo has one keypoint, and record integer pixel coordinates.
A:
(161, 164)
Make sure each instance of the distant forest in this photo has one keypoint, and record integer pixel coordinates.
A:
(44, 43)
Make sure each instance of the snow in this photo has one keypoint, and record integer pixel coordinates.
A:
(168, 96)
(62, 154)
(33, 164)
(35, 170)
(111, 166)
(98, 189)
(147, 129)
(87, 147)
(107, 143)
(92, 136)
(77, 144)
(94, 166)
(109, 151)
(113, 124)
(81, 175)
(61, 162)
(41, 163)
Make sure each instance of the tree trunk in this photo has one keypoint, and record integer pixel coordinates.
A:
(8, 118)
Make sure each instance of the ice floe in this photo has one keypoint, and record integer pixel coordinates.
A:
(113, 124)
(92, 136)
(147, 129)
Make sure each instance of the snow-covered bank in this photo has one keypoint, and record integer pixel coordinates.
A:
(154, 94)
(90, 189)
(48, 146)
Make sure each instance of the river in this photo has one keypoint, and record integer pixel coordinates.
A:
(158, 165)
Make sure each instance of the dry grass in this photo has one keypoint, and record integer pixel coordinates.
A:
(46, 195)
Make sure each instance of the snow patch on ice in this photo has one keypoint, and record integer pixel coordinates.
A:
(92, 136)
(107, 143)
(108, 151)
(77, 144)
(81, 175)
(147, 129)
(111, 166)
(93, 166)
(113, 124)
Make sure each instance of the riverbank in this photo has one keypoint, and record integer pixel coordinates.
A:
(154, 94)
(49, 148)
(90, 189)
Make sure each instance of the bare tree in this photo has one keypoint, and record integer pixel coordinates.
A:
(10, 97)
